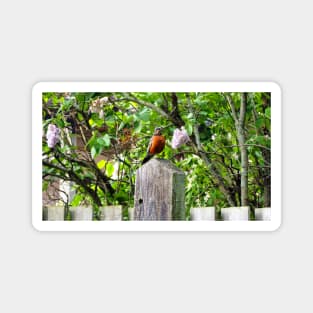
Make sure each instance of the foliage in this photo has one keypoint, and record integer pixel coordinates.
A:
(104, 137)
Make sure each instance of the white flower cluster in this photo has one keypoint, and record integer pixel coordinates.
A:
(180, 137)
(96, 106)
(68, 96)
(53, 135)
(207, 197)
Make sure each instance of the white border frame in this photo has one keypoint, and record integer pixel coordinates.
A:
(41, 225)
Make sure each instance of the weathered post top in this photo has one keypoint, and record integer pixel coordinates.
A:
(159, 191)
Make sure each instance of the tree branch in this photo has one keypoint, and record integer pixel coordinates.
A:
(177, 123)
(232, 106)
(196, 144)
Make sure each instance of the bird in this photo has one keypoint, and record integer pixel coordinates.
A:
(156, 144)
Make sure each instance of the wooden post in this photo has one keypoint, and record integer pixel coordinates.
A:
(111, 213)
(81, 213)
(53, 213)
(262, 214)
(235, 213)
(202, 214)
(159, 192)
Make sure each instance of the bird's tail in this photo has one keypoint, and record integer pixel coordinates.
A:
(147, 158)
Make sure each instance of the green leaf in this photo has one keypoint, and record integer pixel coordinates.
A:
(93, 152)
(101, 164)
(60, 123)
(259, 122)
(261, 140)
(189, 128)
(138, 127)
(121, 126)
(80, 117)
(109, 169)
(190, 115)
(121, 196)
(91, 122)
(107, 140)
(92, 140)
(110, 124)
(45, 149)
(77, 199)
(103, 141)
(45, 185)
(268, 112)
(95, 120)
(144, 115)
(100, 141)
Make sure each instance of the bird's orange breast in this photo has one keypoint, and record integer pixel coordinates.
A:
(157, 144)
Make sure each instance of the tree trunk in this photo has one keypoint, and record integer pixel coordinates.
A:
(267, 158)
(264, 172)
(243, 150)
(240, 130)
(267, 179)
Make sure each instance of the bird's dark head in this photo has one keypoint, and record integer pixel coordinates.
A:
(158, 130)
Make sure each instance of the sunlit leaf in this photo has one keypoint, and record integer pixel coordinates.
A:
(91, 122)
(101, 164)
(109, 169)
(76, 200)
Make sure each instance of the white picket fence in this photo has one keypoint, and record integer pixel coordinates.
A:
(83, 213)
(114, 213)
(262, 214)
(230, 214)
(202, 214)
(235, 213)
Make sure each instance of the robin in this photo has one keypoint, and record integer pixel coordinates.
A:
(156, 145)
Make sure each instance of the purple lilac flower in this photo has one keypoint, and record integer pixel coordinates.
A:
(180, 137)
(53, 135)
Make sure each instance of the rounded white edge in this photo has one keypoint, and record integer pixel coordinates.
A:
(275, 87)
(39, 87)
(37, 225)
(156, 226)
(276, 225)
